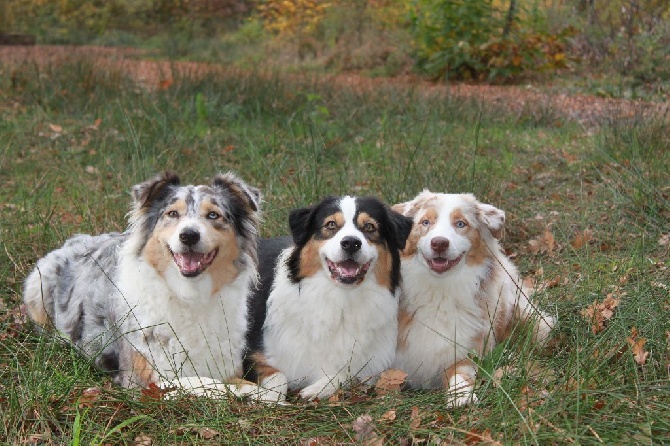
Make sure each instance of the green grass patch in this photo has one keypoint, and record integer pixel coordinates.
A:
(74, 140)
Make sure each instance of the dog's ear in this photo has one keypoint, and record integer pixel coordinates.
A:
(410, 208)
(401, 207)
(492, 217)
(248, 195)
(144, 194)
(401, 227)
(299, 221)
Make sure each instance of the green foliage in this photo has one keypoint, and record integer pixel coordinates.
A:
(465, 39)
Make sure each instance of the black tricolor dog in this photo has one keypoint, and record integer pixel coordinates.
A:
(326, 307)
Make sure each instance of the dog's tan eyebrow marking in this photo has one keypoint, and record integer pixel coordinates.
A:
(337, 217)
(364, 218)
(456, 215)
(430, 214)
(178, 205)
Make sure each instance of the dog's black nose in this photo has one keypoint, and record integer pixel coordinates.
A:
(189, 237)
(350, 244)
(439, 244)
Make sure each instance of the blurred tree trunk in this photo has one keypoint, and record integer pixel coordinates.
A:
(632, 11)
(509, 20)
(590, 7)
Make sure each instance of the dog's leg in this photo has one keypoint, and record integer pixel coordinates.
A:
(527, 312)
(198, 386)
(459, 382)
(272, 389)
(323, 387)
(272, 383)
(135, 370)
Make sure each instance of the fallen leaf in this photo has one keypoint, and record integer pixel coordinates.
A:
(582, 238)
(544, 243)
(388, 416)
(390, 380)
(365, 430)
(153, 392)
(637, 347)
(56, 128)
(92, 170)
(664, 240)
(336, 397)
(601, 312)
(88, 397)
(476, 437)
(414, 418)
(143, 440)
(206, 432)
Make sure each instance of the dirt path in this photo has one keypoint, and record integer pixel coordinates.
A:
(588, 110)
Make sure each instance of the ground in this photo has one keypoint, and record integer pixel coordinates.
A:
(589, 110)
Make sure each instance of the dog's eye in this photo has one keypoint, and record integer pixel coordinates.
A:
(213, 215)
(331, 225)
(369, 227)
(461, 224)
(425, 222)
(172, 214)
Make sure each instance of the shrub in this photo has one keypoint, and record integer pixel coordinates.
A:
(475, 39)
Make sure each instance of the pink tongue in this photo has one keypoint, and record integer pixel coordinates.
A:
(189, 262)
(439, 264)
(348, 268)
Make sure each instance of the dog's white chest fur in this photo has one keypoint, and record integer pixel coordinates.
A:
(445, 321)
(318, 328)
(209, 327)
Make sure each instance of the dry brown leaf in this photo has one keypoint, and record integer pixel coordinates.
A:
(388, 416)
(336, 397)
(390, 380)
(582, 238)
(637, 347)
(365, 430)
(56, 128)
(206, 432)
(664, 240)
(476, 437)
(544, 243)
(89, 396)
(143, 440)
(415, 418)
(152, 392)
(599, 313)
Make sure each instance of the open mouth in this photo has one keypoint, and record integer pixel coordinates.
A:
(347, 271)
(192, 263)
(442, 264)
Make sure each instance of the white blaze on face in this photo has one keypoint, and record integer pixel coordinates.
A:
(448, 229)
(348, 267)
(190, 258)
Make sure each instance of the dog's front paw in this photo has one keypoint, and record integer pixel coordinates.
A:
(321, 389)
(273, 389)
(197, 386)
(460, 392)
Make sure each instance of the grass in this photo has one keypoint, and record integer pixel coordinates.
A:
(73, 141)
